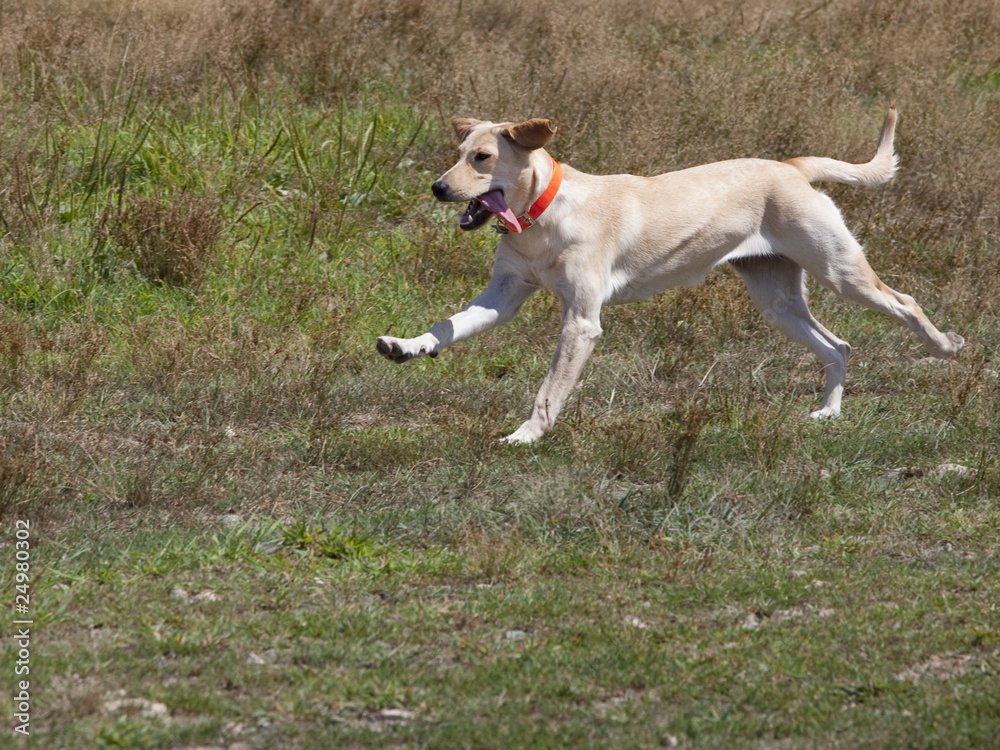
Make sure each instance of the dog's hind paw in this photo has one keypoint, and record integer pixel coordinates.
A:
(827, 412)
(945, 346)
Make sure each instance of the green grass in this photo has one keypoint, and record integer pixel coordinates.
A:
(568, 634)
(239, 511)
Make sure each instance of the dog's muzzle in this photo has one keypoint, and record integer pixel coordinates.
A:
(480, 209)
(440, 190)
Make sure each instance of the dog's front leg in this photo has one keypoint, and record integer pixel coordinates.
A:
(498, 304)
(577, 338)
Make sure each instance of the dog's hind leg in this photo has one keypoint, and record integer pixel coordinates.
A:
(828, 251)
(853, 279)
(776, 285)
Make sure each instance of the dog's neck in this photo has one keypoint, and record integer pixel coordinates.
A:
(542, 167)
(546, 179)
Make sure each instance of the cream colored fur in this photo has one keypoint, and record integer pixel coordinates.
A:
(621, 238)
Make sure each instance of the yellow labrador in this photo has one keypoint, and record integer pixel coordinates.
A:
(596, 240)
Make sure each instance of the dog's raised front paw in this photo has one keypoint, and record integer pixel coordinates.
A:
(392, 348)
(403, 350)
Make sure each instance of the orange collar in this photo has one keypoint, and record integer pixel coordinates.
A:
(527, 219)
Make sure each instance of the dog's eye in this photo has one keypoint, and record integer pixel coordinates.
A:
(483, 156)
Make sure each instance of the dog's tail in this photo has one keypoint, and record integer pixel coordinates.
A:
(878, 170)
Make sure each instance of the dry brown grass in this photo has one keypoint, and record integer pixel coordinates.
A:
(173, 240)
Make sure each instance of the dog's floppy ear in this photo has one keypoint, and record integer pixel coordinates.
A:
(463, 126)
(532, 134)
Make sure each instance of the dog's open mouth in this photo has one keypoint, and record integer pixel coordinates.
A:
(488, 204)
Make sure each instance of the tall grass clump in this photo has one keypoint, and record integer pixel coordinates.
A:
(170, 240)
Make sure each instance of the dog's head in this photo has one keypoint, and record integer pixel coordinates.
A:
(494, 169)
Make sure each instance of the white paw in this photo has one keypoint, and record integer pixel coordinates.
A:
(394, 349)
(402, 350)
(526, 433)
(827, 412)
(949, 349)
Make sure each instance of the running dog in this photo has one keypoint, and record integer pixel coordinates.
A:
(607, 240)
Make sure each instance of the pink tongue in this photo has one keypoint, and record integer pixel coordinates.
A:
(496, 205)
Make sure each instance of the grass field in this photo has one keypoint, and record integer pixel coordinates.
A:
(240, 528)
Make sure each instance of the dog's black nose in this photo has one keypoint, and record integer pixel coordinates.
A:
(440, 190)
